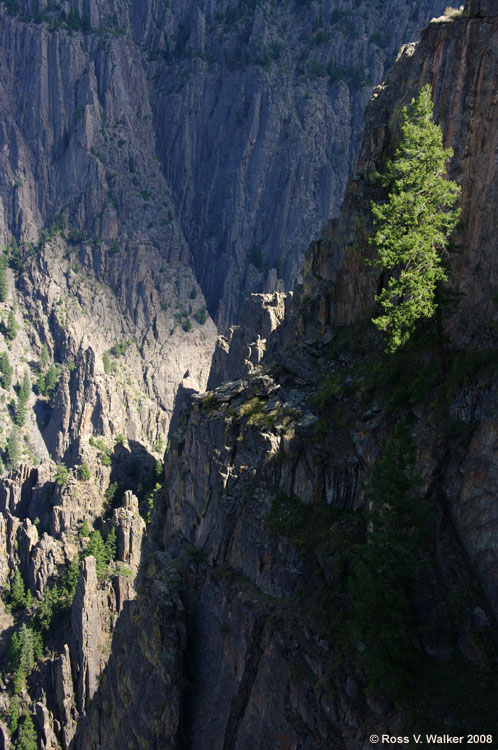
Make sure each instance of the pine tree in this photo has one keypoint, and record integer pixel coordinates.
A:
(26, 649)
(25, 389)
(412, 227)
(45, 611)
(13, 453)
(84, 531)
(111, 545)
(12, 326)
(20, 413)
(51, 381)
(96, 547)
(4, 281)
(28, 739)
(17, 592)
(40, 385)
(5, 371)
(62, 474)
(44, 358)
(71, 579)
(13, 716)
(19, 681)
(13, 652)
(85, 472)
(22, 401)
(106, 361)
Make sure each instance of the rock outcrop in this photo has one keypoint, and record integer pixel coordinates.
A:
(238, 353)
(139, 701)
(65, 699)
(236, 111)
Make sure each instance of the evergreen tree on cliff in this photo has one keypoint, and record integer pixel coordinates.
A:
(4, 281)
(27, 736)
(412, 227)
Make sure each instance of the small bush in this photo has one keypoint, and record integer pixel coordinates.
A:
(85, 472)
(84, 531)
(201, 316)
(61, 475)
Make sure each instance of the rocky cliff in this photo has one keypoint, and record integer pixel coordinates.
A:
(258, 105)
(329, 517)
(167, 159)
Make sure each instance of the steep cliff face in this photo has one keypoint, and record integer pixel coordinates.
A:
(97, 240)
(259, 106)
(164, 160)
(288, 586)
(457, 59)
(265, 105)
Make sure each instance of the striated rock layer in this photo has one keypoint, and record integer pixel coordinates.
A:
(167, 158)
(259, 107)
(261, 485)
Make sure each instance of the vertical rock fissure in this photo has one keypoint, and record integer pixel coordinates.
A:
(241, 700)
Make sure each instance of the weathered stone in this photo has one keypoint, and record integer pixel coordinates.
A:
(130, 528)
(4, 738)
(140, 690)
(86, 628)
(27, 537)
(46, 732)
(481, 8)
(46, 561)
(64, 694)
(236, 356)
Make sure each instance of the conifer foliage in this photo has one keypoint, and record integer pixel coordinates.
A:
(4, 282)
(22, 401)
(27, 736)
(412, 227)
(12, 326)
(5, 371)
(13, 453)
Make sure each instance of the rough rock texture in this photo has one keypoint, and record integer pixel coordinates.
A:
(270, 142)
(481, 8)
(64, 693)
(130, 529)
(261, 673)
(96, 606)
(63, 166)
(4, 738)
(457, 57)
(243, 348)
(165, 158)
(236, 112)
(217, 499)
(47, 735)
(139, 701)
(86, 633)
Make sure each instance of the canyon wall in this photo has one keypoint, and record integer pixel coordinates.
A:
(163, 160)
(276, 473)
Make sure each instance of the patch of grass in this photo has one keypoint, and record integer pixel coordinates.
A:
(255, 412)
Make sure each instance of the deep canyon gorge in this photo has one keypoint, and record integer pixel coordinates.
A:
(228, 518)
